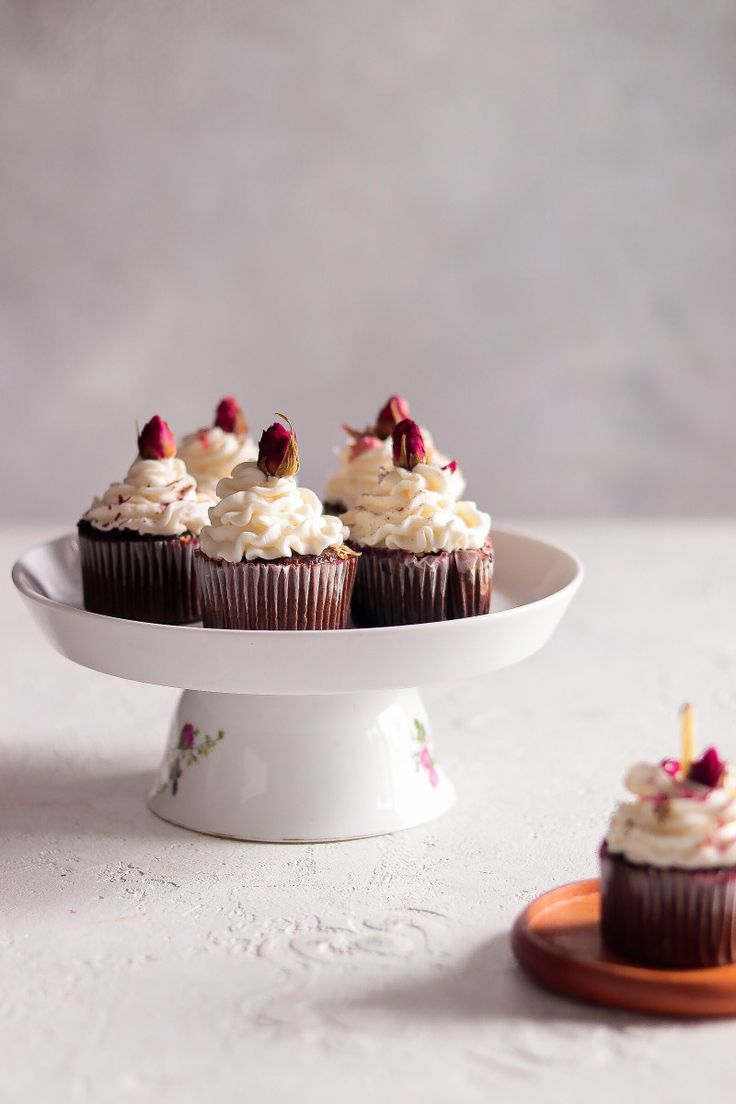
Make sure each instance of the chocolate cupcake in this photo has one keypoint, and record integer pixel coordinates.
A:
(668, 866)
(211, 453)
(270, 558)
(136, 542)
(424, 555)
(368, 454)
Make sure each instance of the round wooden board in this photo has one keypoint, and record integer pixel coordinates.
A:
(557, 941)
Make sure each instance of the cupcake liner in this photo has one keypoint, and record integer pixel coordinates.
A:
(470, 582)
(667, 917)
(399, 588)
(307, 592)
(141, 578)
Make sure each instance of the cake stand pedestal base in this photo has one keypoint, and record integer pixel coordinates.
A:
(301, 768)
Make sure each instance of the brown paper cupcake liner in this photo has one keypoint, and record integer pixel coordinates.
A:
(301, 592)
(399, 588)
(141, 578)
(667, 917)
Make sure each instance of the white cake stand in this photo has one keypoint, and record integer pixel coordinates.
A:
(303, 736)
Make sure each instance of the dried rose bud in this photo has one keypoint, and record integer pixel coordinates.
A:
(363, 441)
(396, 410)
(408, 445)
(708, 770)
(186, 739)
(230, 418)
(156, 441)
(278, 454)
(451, 467)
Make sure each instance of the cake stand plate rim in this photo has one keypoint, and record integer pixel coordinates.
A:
(544, 576)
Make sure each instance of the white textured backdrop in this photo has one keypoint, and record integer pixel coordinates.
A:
(520, 214)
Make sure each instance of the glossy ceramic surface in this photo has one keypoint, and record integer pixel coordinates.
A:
(292, 769)
(295, 736)
(534, 584)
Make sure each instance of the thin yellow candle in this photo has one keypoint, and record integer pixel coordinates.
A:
(687, 740)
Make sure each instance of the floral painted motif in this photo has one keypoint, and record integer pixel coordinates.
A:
(190, 749)
(424, 757)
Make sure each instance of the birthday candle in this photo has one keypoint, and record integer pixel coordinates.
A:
(687, 741)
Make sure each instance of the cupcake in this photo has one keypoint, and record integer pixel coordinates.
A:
(136, 542)
(368, 454)
(424, 555)
(210, 454)
(270, 558)
(668, 864)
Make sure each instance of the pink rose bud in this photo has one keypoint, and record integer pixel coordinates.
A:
(186, 740)
(278, 454)
(396, 410)
(451, 467)
(363, 441)
(408, 445)
(156, 441)
(230, 418)
(671, 767)
(708, 770)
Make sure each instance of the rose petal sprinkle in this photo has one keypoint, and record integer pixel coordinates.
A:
(671, 767)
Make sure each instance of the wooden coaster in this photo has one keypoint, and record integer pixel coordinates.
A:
(557, 940)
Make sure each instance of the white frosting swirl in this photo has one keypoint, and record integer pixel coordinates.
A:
(261, 517)
(417, 512)
(356, 476)
(157, 498)
(211, 454)
(664, 827)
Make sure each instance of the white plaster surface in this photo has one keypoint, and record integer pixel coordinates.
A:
(514, 210)
(140, 962)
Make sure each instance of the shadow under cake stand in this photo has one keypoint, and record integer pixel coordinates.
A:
(303, 736)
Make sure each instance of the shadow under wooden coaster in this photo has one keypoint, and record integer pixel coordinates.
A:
(556, 939)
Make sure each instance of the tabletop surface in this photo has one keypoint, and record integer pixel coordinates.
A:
(143, 962)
